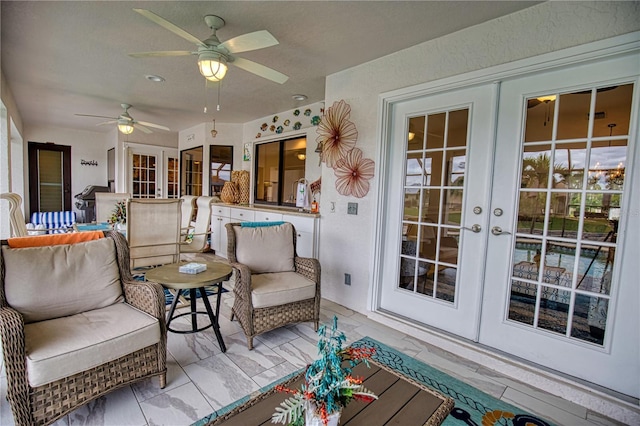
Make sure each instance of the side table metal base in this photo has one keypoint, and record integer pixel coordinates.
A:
(193, 313)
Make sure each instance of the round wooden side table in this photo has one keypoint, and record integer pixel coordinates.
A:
(170, 277)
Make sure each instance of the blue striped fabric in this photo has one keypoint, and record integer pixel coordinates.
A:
(259, 224)
(55, 222)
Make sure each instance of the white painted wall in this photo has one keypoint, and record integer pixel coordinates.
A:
(200, 135)
(254, 134)
(84, 145)
(12, 174)
(116, 139)
(346, 241)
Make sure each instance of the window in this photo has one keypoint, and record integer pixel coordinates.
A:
(191, 167)
(279, 166)
(221, 160)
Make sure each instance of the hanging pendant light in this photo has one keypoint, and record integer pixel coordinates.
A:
(214, 132)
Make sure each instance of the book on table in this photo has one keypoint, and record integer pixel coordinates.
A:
(192, 268)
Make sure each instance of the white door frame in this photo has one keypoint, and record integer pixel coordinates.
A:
(566, 57)
(555, 60)
(462, 316)
(160, 152)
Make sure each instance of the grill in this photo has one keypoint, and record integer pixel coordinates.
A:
(86, 201)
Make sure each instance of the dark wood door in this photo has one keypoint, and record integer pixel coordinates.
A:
(49, 177)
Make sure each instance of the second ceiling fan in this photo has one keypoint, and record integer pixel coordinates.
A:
(213, 55)
(126, 123)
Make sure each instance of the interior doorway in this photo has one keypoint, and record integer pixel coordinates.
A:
(49, 177)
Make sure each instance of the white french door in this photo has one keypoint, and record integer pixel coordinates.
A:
(561, 284)
(522, 237)
(153, 173)
(172, 175)
(440, 157)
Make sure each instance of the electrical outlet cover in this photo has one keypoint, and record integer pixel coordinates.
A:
(352, 208)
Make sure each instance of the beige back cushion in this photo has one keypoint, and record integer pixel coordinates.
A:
(56, 281)
(265, 248)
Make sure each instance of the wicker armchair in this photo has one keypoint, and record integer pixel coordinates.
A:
(40, 392)
(273, 286)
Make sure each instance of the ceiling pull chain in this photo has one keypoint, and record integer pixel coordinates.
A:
(219, 83)
(205, 96)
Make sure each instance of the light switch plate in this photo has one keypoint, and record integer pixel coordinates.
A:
(352, 208)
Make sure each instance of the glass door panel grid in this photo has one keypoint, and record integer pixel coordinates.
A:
(434, 190)
(570, 196)
(143, 176)
(173, 173)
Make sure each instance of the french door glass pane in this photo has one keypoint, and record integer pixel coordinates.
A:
(143, 176)
(564, 250)
(433, 194)
(172, 178)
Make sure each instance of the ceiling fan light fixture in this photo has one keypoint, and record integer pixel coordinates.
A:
(212, 66)
(125, 128)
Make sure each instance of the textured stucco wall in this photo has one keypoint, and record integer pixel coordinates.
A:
(346, 244)
(84, 145)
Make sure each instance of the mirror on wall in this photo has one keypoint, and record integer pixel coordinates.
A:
(191, 171)
(221, 165)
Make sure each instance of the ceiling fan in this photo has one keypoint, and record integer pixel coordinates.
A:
(126, 123)
(213, 55)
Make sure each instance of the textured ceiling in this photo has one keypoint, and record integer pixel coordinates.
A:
(63, 58)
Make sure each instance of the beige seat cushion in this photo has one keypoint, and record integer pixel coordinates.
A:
(265, 248)
(62, 347)
(280, 288)
(56, 281)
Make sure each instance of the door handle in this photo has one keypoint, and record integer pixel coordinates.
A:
(496, 230)
(474, 228)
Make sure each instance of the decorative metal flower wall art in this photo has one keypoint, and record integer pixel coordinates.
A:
(336, 146)
(353, 173)
(337, 135)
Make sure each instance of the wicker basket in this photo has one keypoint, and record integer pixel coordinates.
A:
(243, 187)
(229, 193)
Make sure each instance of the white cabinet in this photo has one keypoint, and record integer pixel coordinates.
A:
(219, 218)
(306, 227)
(242, 215)
(267, 216)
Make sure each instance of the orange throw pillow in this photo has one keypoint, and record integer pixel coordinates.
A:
(54, 239)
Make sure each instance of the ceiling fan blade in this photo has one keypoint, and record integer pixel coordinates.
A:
(144, 129)
(107, 122)
(250, 41)
(98, 116)
(169, 26)
(261, 70)
(161, 54)
(155, 126)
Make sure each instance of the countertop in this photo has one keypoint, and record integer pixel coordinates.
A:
(263, 207)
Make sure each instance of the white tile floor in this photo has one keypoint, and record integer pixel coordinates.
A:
(201, 378)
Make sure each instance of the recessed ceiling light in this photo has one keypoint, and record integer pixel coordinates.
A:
(155, 78)
(299, 97)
